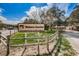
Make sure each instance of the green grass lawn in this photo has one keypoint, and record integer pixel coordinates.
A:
(18, 38)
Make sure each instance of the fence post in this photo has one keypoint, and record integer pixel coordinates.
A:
(60, 41)
(10, 32)
(48, 44)
(14, 31)
(8, 45)
(0, 37)
(38, 46)
(57, 36)
(25, 40)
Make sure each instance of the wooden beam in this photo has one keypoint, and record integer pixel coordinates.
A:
(3, 42)
(3, 36)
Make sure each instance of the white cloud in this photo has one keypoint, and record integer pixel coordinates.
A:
(11, 22)
(61, 6)
(23, 19)
(34, 11)
(51, 5)
(4, 20)
(1, 9)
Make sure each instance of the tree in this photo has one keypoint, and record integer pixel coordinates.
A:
(31, 21)
(50, 17)
(55, 15)
(74, 17)
(1, 24)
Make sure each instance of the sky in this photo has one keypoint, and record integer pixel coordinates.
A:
(17, 12)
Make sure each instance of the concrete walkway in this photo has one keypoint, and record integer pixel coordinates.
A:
(73, 38)
(7, 32)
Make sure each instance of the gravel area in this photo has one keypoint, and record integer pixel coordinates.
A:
(30, 50)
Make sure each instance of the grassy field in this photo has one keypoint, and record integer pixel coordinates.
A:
(18, 38)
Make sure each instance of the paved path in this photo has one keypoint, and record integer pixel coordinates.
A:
(7, 32)
(73, 37)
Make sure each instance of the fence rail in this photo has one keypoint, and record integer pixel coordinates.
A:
(51, 38)
(48, 40)
(2, 37)
(5, 44)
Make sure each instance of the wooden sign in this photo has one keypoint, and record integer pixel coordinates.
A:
(31, 27)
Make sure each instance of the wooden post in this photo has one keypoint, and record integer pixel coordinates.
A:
(38, 46)
(25, 39)
(24, 45)
(57, 35)
(10, 32)
(8, 45)
(59, 42)
(47, 44)
(14, 31)
(0, 37)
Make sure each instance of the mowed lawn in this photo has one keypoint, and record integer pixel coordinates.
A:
(18, 37)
